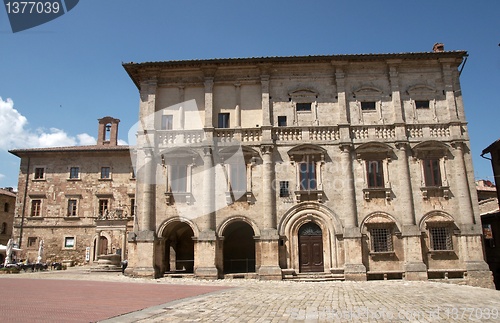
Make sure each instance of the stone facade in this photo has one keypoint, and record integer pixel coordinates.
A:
(341, 167)
(352, 166)
(70, 196)
(7, 206)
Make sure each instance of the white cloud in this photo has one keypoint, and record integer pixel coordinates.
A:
(15, 134)
(86, 139)
(122, 142)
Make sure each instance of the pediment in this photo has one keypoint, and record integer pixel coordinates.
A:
(303, 93)
(420, 90)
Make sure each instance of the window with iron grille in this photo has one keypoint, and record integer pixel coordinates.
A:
(284, 192)
(72, 207)
(32, 242)
(36, 207)
(381, 240)
(440, 238)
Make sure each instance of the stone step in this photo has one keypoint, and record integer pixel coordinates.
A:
(314, 277)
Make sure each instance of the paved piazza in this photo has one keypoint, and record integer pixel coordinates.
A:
(111, 297)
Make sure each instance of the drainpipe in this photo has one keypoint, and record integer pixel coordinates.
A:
(24, 204)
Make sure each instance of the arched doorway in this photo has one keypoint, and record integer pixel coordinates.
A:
(101, 247)
(310, 248)
(179, 248)
(239, 248)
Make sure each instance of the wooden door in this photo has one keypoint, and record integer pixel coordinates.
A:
(310, 248)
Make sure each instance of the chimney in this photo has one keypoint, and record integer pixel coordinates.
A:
(108, 131)
(438, 47)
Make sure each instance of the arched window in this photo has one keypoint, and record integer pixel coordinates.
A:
(3, 230)
(6, 207)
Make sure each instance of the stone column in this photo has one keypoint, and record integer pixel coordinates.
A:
(354, 268)
(269, 240)
(97, 245)
(461, 192)
(143, 241)
(124, 243)
(206, 243)
(415, 268)
(143, 264)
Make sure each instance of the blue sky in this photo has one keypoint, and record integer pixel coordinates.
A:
(57, 79)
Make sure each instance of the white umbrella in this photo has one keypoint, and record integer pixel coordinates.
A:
(40, 253)
(8, 252)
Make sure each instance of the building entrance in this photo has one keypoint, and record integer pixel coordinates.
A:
(310, 248)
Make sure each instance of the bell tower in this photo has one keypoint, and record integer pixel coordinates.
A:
(108, 131)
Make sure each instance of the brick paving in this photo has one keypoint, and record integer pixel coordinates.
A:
(60, 300)
(123, 299)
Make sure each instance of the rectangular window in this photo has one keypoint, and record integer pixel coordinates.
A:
(432, 172)
(103, 207)
(167, 122)
(32, 242)
(422, 104)
(375, 173)
(368, 106)
(105, 173)
(69, 242)
(36, 207)
(307, 176)
(281, 121)
(223, 120)
(440, 238)
(74, 172)
(284, 192)
(72, 207)
(381, 240)
(303, 107)
(238, 177)
(132, 206)
(39, 173)
(178, 178)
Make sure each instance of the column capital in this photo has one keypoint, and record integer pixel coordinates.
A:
(266, 149)
(346, 147)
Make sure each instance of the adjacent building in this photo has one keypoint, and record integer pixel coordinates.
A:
(7, 206)
(335, 167)
(79, 200)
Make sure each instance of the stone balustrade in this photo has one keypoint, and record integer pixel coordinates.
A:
(310, 133)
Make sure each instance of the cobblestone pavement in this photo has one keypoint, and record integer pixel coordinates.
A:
(242, 300)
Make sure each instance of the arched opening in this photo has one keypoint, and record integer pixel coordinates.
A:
(101, 247)
(310, 248)
(239, 248)
(179, 248)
